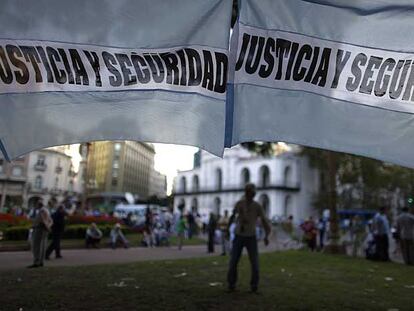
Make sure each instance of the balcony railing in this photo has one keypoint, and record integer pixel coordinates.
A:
(290, 186)
(40, 167)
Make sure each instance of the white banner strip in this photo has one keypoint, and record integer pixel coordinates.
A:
(37, 66)
(284, 60)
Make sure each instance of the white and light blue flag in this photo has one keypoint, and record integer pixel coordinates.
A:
(333, 74)
(146, 70)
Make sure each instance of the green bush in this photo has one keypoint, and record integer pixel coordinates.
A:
(16, 233)
(71, 232)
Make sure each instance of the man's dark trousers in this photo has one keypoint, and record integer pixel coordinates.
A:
(239, 243)
(55, 245)
(407, 249)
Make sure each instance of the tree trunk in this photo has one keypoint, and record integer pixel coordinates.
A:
(333, 244)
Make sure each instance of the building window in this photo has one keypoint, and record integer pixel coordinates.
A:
(115, 164)
(287, 176)
(264, 176)
(17, 171)
(219, 179)
(288, 206)
(245, 176)
(71, 186)
(1, 166)
(41, 159)
(217, 206)
(196, 185)
(264, 201)
(38, 184)
(183, 185)
(194, 205)
(56, 182)
(114, 173)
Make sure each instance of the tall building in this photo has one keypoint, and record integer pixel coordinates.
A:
(158, 184)
(13, 190)
(285, 183)
(119, 167)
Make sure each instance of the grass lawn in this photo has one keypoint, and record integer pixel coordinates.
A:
(134, 240)
(293, 280)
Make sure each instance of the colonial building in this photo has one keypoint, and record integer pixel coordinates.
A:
(120, 167)
(13, 190)
(285, 183)
(51, 175)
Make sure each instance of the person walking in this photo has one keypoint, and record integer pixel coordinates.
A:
(405, 234)
(381, 228)
(181, 227)
(310, 232)
(245, 213)
(224, 230)
(211, 228)
(57, 231)
(191, 225)
(322, 232)
(149, 226)
(42, 225)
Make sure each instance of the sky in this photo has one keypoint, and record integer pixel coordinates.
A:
(169, 159)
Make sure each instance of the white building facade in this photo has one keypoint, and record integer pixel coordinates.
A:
(286, 184)
(51, 175)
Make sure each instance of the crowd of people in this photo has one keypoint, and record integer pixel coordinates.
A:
(368, 237)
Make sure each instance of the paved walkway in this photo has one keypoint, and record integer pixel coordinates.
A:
(82, 257)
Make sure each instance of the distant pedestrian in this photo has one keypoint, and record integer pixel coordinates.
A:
(322, 232)
(310, 232)
(149, 226)
(191, 225)
(42, 225)
(405, 234)
(204, 220)
(358, 233)
(118, 237)
(245, 215)
(211, 229)
(224, 232)
(57, 231)
(181, 227)
(381, 228)
(93, 236)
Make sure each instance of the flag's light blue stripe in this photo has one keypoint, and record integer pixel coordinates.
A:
(228, 134)
(117, 91)
(330, 40)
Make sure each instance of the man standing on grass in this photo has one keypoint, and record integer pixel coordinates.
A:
(381, 228)
(246, 213)
(42, 225)
(57, 231)
(224, 230)
(405, 233)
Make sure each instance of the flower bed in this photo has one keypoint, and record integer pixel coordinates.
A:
(9, 220)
